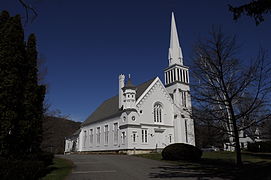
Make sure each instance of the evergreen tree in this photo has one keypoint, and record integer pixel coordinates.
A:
(33, 100)
(11, 57)
(3, 18)
(21, 98)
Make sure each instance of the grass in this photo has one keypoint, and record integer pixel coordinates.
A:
(59, 170)
(218, 164)
(247, 157)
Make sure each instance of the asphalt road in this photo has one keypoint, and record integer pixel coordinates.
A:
(124, 167)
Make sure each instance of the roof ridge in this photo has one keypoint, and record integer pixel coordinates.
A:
(152, 79)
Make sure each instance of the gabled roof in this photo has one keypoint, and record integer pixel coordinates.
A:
(74, 135)
(110, 107)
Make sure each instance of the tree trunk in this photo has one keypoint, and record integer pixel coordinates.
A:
(236, 139)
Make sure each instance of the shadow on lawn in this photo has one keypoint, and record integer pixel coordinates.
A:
(260, 155)
(215, 168)
(48, 170)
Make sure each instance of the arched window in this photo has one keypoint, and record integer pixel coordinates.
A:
(157, 112)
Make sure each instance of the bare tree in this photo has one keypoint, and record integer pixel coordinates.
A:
(207, 135)
(230, 92)
(57, 113)
(29, 10)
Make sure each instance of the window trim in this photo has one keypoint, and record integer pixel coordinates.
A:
(123, 137)
(158, 112)
(170, 138)
(115, 133)
(91, 137)
(84, 138)
(134, 137)
(98, 134)
(144, 136)
(106, 135)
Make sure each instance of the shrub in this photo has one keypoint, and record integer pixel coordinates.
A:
(264, 146)
(21, 169)
(29, 167)
(45, 157)
(252, 147)
(180, 151)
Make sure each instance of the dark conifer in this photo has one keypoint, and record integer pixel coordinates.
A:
(4, 17)
(33, 99)
(21, 98)
(11, 57)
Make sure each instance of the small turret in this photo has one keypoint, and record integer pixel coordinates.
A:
(129, 93)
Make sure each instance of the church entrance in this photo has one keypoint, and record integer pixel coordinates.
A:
(159, 138)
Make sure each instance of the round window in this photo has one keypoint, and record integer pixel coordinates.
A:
(133, 118)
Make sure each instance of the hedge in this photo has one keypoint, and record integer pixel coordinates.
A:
(29, 167)
(264, 146)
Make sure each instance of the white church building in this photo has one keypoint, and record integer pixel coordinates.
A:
(142, 118)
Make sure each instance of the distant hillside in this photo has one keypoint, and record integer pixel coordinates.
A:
(55, 130)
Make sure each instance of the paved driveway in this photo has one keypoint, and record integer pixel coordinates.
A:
(124, 167)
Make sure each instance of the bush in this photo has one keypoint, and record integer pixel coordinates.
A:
(29, 167)
(45, 157)
(180, 151)
(21, 169)
(259, 146)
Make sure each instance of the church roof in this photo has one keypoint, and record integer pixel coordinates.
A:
(74, 135)
(110, 107)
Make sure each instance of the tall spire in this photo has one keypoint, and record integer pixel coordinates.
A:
(175, 55)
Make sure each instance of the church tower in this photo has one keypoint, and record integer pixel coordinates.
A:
(177, 84)
(176, 74)
(129, 93)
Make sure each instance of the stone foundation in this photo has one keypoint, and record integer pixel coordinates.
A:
(121, 151)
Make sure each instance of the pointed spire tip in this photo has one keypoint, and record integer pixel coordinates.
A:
(175, 52)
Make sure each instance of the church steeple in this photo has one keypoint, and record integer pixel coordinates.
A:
(176, 74)
(175, 55)
(176, 71)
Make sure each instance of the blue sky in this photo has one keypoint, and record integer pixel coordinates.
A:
(87, 44)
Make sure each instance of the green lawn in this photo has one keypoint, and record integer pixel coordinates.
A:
(247, 157)
(222, 164)
(59, 170)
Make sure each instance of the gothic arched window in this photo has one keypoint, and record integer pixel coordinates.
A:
(157, 112)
